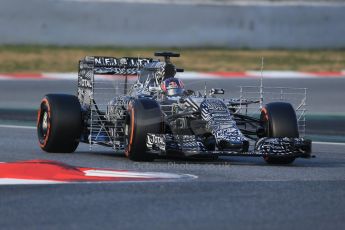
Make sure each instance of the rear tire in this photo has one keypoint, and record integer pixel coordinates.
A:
(279, 120)
(144, 116)
(59, 123)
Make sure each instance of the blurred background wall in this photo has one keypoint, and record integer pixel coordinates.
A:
(235, 24)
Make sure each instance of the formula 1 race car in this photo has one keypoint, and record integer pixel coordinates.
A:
(156, 116)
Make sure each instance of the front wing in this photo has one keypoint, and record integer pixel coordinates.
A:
(191, 145)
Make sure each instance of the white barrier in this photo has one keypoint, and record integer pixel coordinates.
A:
(88, 22)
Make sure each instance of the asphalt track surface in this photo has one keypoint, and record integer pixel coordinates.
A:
(233, 192)
(324, 95)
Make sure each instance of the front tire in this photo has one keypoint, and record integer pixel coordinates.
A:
(59, 123)
(144, 116)
(279, 120)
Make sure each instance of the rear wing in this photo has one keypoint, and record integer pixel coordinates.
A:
(112, 65)
(93, 65)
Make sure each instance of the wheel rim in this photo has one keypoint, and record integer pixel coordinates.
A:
(126, 134)
(43, 124)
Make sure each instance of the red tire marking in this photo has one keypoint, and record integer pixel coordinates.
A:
(128, 149)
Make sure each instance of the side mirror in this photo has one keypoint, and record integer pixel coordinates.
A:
(154, 89)
(260, 132)
(214, 91)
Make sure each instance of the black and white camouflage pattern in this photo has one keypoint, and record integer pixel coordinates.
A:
(165, 142)
(220, 121)
(116, 71)
(194, 120)
(281, 146)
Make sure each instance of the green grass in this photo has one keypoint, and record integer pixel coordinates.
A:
(35, 59)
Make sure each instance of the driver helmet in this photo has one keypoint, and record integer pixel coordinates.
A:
(173, 87)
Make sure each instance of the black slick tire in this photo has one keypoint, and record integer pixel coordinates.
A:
(59, 123)
(144, 116)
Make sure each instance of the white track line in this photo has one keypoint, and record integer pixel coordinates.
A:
(144, 175)
(215, 3)
(17, 127)
(328, 143)
(13, 181)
